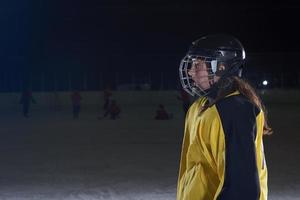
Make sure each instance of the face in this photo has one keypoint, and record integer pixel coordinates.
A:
(200, 75)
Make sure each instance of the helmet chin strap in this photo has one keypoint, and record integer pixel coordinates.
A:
(215, 87)
(212, 90)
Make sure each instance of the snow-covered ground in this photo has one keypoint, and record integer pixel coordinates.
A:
(50, 156)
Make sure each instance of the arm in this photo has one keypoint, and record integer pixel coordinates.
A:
(184, 146)
(241, 179)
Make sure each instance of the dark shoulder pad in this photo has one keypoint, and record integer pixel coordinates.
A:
(238, 118)
(237, 104)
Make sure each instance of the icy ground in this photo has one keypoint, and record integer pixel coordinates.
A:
(50, 156)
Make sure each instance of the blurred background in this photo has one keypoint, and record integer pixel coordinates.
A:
(61, 45)
(61, 62)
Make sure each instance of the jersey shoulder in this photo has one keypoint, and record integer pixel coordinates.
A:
(237, 105)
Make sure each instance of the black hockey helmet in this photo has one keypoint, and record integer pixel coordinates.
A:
(224, 56)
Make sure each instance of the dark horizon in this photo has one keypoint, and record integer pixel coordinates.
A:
(119, 36)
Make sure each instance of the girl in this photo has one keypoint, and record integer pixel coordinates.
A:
(222, 154)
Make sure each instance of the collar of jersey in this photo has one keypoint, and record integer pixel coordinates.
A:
(203, 100)
(233, 93)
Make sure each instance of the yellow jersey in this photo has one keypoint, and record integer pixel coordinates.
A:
(222, 155)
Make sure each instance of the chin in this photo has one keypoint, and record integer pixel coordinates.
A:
(203, 88)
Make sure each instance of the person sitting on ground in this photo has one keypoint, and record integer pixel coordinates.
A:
(161, 113)
(113, 110)
(107, 94)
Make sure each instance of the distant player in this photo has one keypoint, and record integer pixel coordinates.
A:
(76, 103)
(113, 110)
(222, 154)
(26, 100)
(107, 94)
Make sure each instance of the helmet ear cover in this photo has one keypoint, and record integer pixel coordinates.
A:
(230, 68)
(220, 68)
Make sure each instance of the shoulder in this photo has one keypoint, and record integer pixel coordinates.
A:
(194, 109)
(196, 105)
(238, 114)
(237, 105)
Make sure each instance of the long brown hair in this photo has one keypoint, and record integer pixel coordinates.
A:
(231, 84)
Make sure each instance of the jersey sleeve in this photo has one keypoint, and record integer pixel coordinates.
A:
(184, 147)
(241, 180)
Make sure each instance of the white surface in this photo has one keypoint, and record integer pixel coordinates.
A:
(50, 156)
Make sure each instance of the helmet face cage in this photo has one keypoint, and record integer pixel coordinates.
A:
(188, 84)
(223, 55)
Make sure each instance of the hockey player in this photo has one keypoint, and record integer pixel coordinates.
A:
(26, 100)
(222, 154)
(107, 94)
(113, 110)
(76, 103)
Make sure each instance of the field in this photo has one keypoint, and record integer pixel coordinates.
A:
(50, 156)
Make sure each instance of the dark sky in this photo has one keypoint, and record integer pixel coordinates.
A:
(58, 34)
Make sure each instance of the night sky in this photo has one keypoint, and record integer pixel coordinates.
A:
(120, 35)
